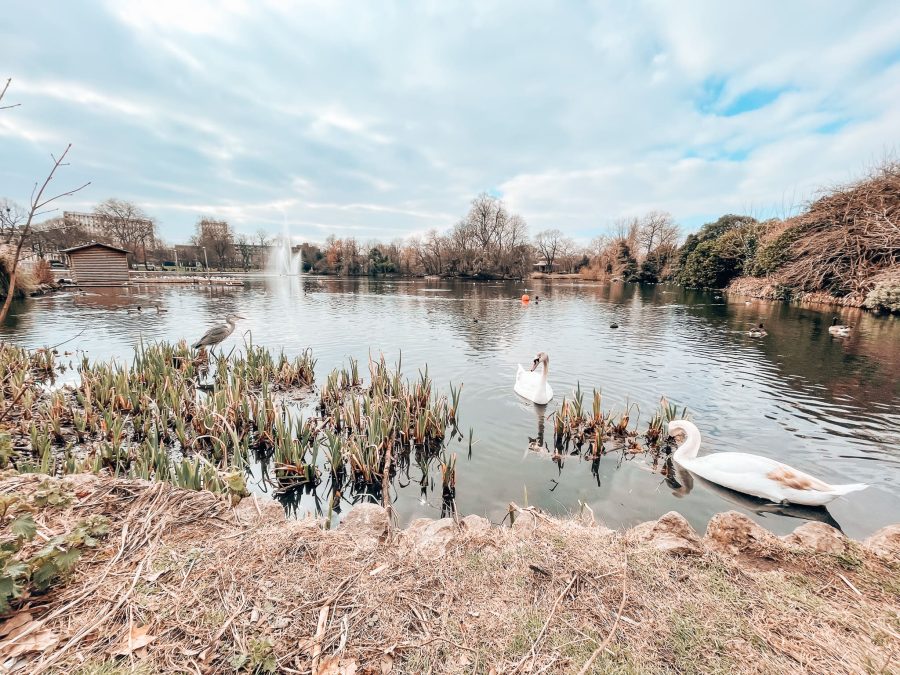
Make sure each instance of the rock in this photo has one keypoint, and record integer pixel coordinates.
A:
(525, 523)
(476, 525)
(818, 537)
(672, 533)
(367, 525)
(735, 534)
(885, 542)
(430, 538)
(270, 511)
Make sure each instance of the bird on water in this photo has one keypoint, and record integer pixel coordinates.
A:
(217, 334)
(754, 475)
(839, 329)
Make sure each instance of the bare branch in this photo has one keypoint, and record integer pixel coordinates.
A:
(3, 93)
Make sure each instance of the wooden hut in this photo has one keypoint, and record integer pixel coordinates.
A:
(98, 264)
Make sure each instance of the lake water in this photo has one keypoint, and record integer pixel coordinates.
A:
(827, 405)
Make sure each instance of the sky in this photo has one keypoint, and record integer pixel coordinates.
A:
(384, 119)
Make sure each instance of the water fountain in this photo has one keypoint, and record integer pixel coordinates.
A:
(282, 260)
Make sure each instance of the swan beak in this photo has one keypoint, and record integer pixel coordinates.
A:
(535, 364)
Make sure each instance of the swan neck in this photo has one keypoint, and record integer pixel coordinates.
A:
(546, 370)
(690, 447)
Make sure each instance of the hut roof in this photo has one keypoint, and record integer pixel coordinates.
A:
(95, 243)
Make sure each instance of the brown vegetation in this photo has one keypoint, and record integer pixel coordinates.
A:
(185, 583)
(845, 246)
(847, 236)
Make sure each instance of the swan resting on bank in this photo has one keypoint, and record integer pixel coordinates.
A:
(754, 475)
(532, 385)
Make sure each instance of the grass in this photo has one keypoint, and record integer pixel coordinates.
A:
(491, 601)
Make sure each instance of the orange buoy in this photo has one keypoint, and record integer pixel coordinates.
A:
(525, 298)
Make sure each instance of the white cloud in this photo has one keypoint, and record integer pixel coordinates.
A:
(386, 119)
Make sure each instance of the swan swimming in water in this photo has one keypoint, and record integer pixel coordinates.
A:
(532, 385)
(839, 329)
(754, 475)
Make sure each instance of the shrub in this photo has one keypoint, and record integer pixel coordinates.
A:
(719, 252)
(43, 273)
(885, 296)
(775, 253)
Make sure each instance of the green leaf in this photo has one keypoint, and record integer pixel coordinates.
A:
(44, 575)
(238, 661)
(9, 590)
(24, 527)
(66, 560)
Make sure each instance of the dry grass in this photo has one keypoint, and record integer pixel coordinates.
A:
(209, 588)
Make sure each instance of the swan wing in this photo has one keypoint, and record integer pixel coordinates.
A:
(766, 478)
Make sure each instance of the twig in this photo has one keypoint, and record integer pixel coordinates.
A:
(849, 585)
(74, 337)
(612, 631)
(533, 653)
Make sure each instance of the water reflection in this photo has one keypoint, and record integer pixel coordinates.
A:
(799, 395)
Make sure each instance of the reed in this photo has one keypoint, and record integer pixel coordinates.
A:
(175, 415)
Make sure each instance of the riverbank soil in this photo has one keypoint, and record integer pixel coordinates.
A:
(184, 582)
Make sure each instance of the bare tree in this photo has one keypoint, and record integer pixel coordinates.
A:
(126, 224)
(262, 237)
(21, 227)
(38, 202)
(244, 245)
(598, 245)
(568, 253)
(217, 237)
(652, 227)
(548, 244)
(626, 230)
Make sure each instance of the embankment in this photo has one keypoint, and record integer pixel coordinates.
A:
(184, 582)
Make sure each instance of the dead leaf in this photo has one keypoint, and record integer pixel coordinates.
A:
(254, 615)
(136, 639)
(387, 664)
(14, 622)
(33, 642)
(153, 576)
(335, 665)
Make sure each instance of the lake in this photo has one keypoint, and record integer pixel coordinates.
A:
(826, 405)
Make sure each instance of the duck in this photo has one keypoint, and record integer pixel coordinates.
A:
(839, 329)
(532, 385)
(160, 310)
(759, 331)
(755, 475)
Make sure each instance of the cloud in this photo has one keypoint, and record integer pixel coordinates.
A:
(384, 120)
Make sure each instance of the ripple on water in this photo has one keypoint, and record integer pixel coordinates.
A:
(828, 406)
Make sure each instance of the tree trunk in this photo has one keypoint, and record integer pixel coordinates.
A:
(11, 290)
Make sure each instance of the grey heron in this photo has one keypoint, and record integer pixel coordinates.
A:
(217, 334)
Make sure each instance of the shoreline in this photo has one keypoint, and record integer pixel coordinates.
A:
(183, 580)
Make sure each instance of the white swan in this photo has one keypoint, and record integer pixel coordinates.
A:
(839, 329)
(754, 475)
(532, 385)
